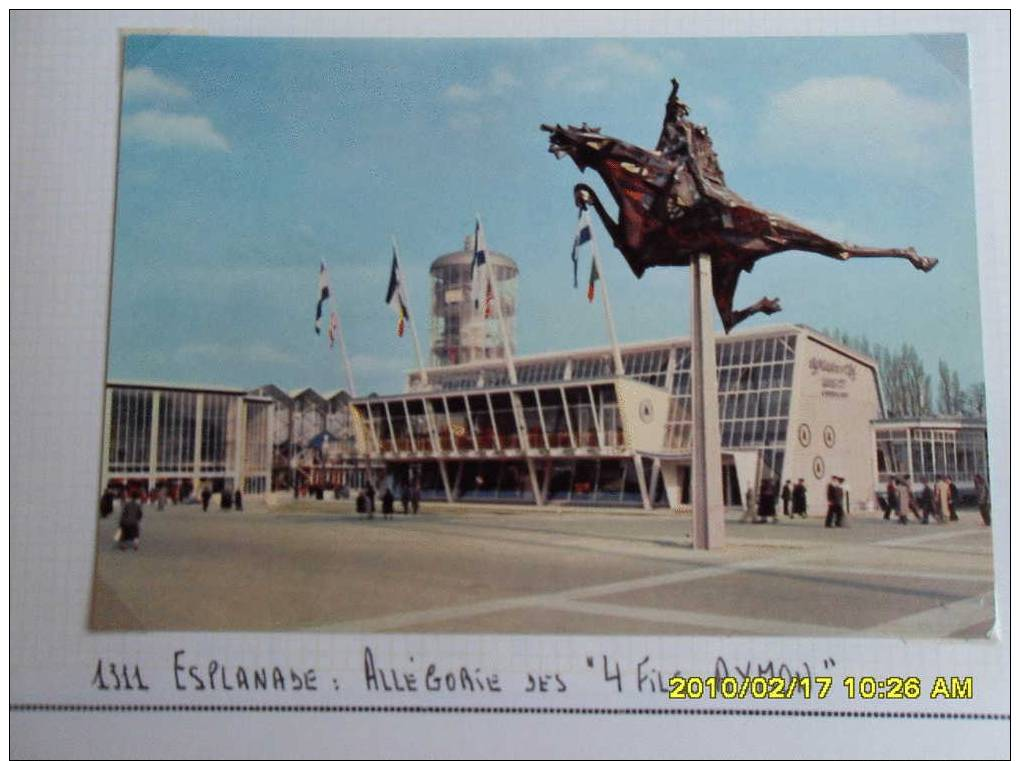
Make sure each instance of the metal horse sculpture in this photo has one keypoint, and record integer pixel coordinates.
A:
(674, 204)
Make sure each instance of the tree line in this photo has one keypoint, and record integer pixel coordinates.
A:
(907, 386)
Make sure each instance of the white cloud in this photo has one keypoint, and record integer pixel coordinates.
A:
(457, 91)
(857, 121)
(174, 130)
(592, 71)
(143, 82)
(618, 54)
(501, 80)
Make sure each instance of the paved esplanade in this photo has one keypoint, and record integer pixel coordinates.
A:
(318, 566)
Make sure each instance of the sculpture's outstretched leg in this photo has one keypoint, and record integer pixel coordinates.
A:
(724, 286)
(793, 236)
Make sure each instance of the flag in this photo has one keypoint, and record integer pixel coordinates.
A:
(592, 279)
(323, 295)
(582, 237)
(478, 271)
(489, 298)
(395, 296)
(334, 324)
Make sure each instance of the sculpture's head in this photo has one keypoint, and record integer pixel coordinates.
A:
(583, 144)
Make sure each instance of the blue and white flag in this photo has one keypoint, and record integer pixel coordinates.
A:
(478, 268)
(583, 236)
(323, 295)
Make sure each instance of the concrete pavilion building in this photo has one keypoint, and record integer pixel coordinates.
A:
(793, 404)
(183, 436)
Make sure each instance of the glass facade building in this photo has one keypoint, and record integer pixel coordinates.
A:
(561, 432)
(158, 435)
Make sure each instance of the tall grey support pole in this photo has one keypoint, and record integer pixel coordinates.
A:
(706, 456)
(343, 355)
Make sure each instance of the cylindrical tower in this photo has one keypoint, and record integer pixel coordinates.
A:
(460, 332)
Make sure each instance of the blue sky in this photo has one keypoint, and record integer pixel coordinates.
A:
(244, 161)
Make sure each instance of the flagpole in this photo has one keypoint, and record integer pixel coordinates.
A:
(410, 317)
(617, 357)
(504, 333)
(343, 354)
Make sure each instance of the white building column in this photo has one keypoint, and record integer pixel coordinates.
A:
(196, 480)
(154, 440)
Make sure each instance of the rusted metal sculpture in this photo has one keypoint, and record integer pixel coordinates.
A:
(674, 204)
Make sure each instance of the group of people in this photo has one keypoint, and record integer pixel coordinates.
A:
(228, 500)
(938, 502)
(410, 500)
(794, 497)
(131, 498)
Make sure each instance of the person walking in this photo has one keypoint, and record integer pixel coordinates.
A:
(800, 499)
(237, 500)
(984, 502)
(206, 497)
(954, 498)
(387, 504)
(415, 497)
(834, 498)
(370, 494)
(750, 505)
(130, 531)
(941, 491)
(106, 503)
(891, 500)
(927, 502)
(405, 496)
(905, 497)
(767, 502)
(787, 496)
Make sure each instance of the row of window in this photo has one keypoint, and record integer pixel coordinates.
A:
(178, 418)
(929, 453)
(651, 365)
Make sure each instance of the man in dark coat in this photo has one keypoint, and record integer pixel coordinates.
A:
(106, 503)
(237, 500)
(370, 493)
(926, 500)
(405, 496)
(787, 496)
(767, 502)
(206, 496)
(800, 499)
(891, 500)
(834, 496)
(130, 523)
(954, 499)
(415, 497)
(387, 503)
